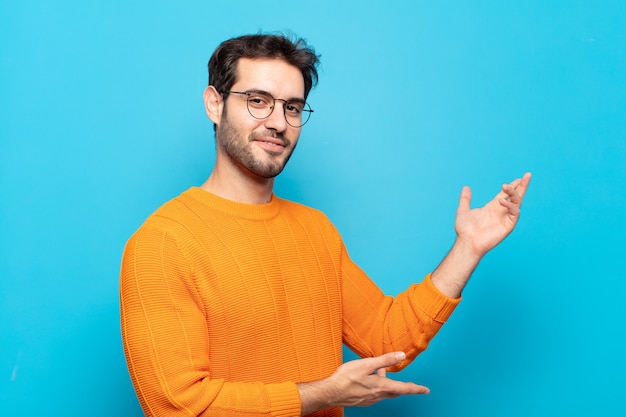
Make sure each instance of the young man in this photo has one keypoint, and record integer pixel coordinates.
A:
(237, 302)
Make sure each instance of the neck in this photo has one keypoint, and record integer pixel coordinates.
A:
(239, 188)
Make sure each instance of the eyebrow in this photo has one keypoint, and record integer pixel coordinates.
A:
(291, 100)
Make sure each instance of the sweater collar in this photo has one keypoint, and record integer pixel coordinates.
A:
(235, 209)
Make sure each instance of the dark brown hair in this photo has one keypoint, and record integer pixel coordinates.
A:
(296, 52)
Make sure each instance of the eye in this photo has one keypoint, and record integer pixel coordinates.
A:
(260, 101)
(293, 108)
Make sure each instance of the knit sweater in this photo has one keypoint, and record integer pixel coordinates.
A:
(226, 306)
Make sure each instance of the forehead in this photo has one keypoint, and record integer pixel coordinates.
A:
(275, 76)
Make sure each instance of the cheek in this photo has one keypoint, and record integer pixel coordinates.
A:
(293, 136)
(236, 126)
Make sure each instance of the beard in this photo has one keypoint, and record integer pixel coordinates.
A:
(240, 152)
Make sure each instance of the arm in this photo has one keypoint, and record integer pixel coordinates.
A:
(166, 340)
(478, 231)
(363, 382)
(380, 329)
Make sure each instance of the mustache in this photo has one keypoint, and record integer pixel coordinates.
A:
(270, 134)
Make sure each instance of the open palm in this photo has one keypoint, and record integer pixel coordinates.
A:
(483, 228)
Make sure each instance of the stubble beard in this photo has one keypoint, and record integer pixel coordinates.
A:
(239, 150)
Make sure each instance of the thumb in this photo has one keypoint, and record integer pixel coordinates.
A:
(388, 359)
(465, 199)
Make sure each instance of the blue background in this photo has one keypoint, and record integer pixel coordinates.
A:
(101, 121)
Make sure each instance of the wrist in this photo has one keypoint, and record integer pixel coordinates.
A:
(452, 274)
(464, 249)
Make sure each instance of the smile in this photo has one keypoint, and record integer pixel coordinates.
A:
(272, 146)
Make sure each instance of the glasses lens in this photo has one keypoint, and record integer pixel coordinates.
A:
(303, 115)
(260, 105)
(298, 113)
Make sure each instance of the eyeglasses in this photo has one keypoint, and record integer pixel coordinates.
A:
(261, 105)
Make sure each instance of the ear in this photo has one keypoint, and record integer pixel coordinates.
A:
(213, 104)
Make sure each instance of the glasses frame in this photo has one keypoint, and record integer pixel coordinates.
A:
(306, 107)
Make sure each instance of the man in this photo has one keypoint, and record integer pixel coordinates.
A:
(236, 302)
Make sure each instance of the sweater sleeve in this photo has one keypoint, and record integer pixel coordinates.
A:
(375, 323)
(166, 343)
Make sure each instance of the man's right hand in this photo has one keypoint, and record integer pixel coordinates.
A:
(361, 382)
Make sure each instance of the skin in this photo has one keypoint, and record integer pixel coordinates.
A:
(251, 152)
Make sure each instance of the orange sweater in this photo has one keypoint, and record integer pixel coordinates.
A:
(226, 306)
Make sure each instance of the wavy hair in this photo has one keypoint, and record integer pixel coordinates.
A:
(294, 51)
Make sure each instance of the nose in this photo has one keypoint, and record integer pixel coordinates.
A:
(276, 120)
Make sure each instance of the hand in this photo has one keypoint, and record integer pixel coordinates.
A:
(478, 231)
(361, 382)
(483, 228)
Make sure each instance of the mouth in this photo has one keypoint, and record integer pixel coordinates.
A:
(272, 147)
(271, 144)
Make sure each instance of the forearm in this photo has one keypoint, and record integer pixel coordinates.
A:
(212, 398)
(314, 396)
(375, 323)
(452, 274)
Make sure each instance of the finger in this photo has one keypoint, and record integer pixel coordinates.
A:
(523, 185)
(395, 388)
(511, 194)
(517, 189)
(512, 207)
(465, 199)
(382, 372)
(515, 182)
(383, 361)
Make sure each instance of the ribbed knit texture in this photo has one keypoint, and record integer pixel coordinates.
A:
(226, 306)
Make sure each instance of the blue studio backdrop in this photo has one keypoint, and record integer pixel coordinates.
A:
(102, 120)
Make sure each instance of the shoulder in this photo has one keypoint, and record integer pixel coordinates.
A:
(307, 216)
(170, 219)
(299, 209)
